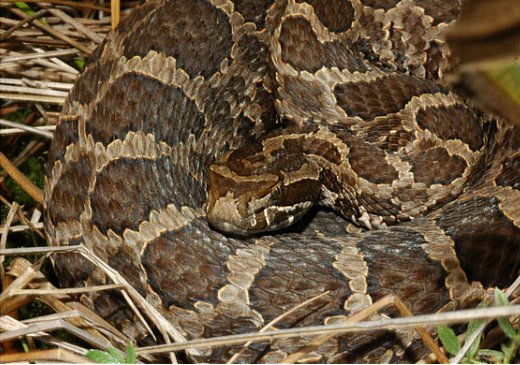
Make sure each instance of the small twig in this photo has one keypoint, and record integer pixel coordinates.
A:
(385, 324)
(49, 54)
(34, 98)
(425, 336)
(24, 251)
(51, 317)
(58, 62)
(81, 290)
(45, 128)
(32, 90)
(26, 184)
(21, 281)
(41, 84)
(36, 130)
(115, 8)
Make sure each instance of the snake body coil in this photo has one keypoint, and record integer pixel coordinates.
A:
(279, 106)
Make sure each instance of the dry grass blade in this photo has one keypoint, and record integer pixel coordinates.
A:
(54, 355)
(8, 323)
(53, 32)
(53, 325)
(51, 317)
(5, 35)
(33, 91)
(131, 295)
(72, 4)
(60, 302)
(363, 314)
(20, 282)
(276, 320)
(88, 289)
(76, 24)
(5, 233)
(461, 316)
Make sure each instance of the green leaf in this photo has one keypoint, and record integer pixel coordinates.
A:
(507, 77)
(27, 10)
(116, 355)
(449, 340)
(80, 63)
(500, 298)
(472, 327)
(505, 325)
(491, 355)
(100, 357)
(131, 357)
(24, 7)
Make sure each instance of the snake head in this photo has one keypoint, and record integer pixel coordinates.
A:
(260, 193)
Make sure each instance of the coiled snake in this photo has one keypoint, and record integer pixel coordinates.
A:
(336, 103)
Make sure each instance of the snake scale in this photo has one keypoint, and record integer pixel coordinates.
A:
(278, 107)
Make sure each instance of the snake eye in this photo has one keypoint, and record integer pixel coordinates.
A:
(276, 194)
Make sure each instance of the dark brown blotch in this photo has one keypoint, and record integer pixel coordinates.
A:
(127, 190)
(149, 106)
(185, 266)
(436, 166)
(302, 50)
(291, 275)
(369, 163)
(199, 36)
(381, 4)
(253, 11)
(87, 87)
(487, 242)
(405, 271)
(386, 95)
(440, 11)
(68, 198)
(455, 122)
(336, 15)
(66, 133)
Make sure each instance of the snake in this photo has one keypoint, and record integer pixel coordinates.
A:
(234, 159)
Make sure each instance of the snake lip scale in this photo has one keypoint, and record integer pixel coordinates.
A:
(256, 115)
